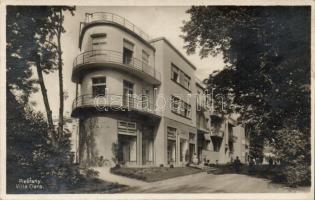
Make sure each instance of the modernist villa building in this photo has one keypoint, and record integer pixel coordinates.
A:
(139, 103)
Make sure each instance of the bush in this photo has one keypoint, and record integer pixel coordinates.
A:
(31, 154)
(91, 173)
(293, 151)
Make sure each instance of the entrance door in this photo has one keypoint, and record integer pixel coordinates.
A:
(191, 151)
(127, 150)
(171, 151)
(147, 145)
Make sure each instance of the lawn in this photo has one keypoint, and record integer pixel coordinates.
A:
(155, 173)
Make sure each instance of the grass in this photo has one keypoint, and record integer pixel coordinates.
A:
(95, 185)
(155, 173)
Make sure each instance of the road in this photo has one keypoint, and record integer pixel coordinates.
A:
(201, 183)
(209, 183)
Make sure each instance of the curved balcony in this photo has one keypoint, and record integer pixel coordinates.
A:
(110, 17)
(114, 59)
(114, 103)
(99, 18)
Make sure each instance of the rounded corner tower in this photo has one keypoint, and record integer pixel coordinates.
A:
(115, 81)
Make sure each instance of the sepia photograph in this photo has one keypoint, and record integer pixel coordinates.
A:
(152, 99)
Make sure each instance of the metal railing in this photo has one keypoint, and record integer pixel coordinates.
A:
(216, 132)
(117, 102)
(110, 56)
(110, 17)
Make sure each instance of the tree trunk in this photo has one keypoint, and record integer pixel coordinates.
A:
(45, 97)
(61, 95)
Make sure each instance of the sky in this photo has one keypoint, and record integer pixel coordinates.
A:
(157, 21)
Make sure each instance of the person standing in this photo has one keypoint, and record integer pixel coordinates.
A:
(237, 164)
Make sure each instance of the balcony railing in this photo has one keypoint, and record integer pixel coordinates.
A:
(109, 56)
(114, 102)
(113, 18)
(216, 132)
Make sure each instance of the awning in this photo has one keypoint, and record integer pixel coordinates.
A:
(206, 136)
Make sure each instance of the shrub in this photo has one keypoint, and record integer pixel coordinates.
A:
(293, 151)
(91, 173)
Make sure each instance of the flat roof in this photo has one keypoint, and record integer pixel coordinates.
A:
(174, 48)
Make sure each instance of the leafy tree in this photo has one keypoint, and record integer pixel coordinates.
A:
(32, 152)
(267, 72)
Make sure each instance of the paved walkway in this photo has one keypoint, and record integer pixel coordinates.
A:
(200, 183)
(104, 173)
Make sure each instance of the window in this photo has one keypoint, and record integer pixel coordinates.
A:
(180, 77)
(99, 86)
(175, 104)
(186, 110)
(128, 94)
(171, 133)
(127, 128)
(98, 41)
(192, 137)
(180, 107)
(175, 74)
(127, 52)
(145, 58)
(186, 82)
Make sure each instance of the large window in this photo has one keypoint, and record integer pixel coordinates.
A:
(180, 107)
(127, 52)
(99, 86)
(180, 77)
(98, 41)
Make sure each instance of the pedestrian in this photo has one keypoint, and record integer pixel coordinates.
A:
(237, 164)
(251, 167)
(195, 159)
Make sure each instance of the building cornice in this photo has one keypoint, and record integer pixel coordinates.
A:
(174, 48)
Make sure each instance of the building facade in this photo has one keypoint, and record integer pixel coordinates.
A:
(137, 100)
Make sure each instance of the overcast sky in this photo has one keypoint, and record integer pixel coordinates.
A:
(157, 21)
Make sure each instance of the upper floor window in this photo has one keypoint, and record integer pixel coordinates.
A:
(99, 86)
(186, 81)
(180, 77)
(175, 104)
(98, 41)
(145, 57)
(180, 107)
(127, 52)
(175, 74)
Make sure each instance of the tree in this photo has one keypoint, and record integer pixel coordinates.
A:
(57, 29)
(31, 151)
(267, 72)
(29, 43)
